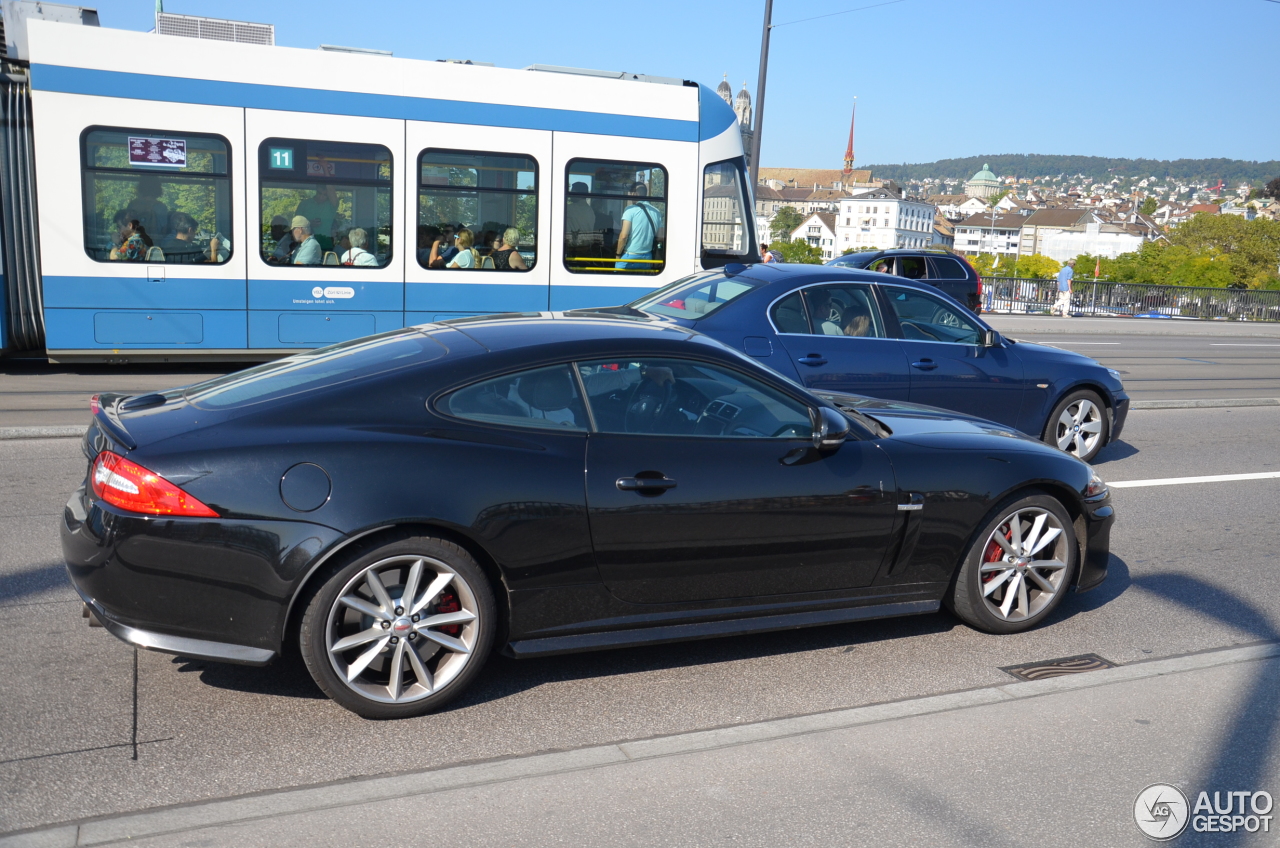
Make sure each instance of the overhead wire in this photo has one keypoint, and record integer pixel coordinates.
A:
(859, 9)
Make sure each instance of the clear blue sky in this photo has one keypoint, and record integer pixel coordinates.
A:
(935, 79)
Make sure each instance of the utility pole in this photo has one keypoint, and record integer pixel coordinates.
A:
(764, 70)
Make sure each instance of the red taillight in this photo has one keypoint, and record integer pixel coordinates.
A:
(94, 405)
(129, 486)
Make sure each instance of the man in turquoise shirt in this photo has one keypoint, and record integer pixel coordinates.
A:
(640, 224)
(1063, 303)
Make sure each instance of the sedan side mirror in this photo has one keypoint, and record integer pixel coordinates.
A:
(989, 338)
(830, 429)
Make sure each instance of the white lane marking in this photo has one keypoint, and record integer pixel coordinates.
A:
(1240, 344)
(1080, 344)
(1177, 481)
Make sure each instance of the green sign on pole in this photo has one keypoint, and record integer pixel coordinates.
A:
(282, 158)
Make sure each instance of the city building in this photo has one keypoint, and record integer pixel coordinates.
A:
(884, 218)
(742, 108)
(998, 233)
(1062, 234)
(819, 230)
(983, 184)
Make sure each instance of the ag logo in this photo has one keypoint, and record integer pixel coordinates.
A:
(1161, 811)
(317, 292)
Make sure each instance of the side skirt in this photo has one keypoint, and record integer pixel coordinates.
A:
(552, 645)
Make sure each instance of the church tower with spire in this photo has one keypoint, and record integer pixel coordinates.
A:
(848, 151)
(741, 106)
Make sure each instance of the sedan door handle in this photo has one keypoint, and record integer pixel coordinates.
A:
(812, 359)
(925, 365)
(631, 484)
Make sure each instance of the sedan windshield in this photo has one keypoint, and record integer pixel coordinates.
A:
(696, 296)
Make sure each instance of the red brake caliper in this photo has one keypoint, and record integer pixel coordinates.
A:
(994, 553)
(449, 603)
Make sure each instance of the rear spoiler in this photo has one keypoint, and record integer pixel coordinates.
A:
(103, 407)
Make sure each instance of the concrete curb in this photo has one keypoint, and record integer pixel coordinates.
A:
(247, 808)
(66, 431)
(1208, 403)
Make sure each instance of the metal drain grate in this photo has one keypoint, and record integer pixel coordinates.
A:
(1056, 668)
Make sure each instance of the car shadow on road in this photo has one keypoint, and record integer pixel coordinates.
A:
(287, 677)
(22, 585)
(1117, 450)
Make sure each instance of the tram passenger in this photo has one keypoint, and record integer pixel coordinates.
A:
(428, 237)
(136, 243)
(282, 253)
(147, 208)
(308, 252)
(639, 231)
(181, 246)
(507, 257)
(579, 217)
(449, 245)
(465, 255)
(320, 209)
(357, 255)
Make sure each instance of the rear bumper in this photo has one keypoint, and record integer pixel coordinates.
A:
(212, 588)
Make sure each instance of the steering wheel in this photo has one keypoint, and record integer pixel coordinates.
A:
(646, 406)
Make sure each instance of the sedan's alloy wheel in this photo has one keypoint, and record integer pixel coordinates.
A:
(1079, 427)
(1023, 564)
(402, 628)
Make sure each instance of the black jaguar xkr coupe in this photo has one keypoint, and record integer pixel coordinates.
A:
(400, 505)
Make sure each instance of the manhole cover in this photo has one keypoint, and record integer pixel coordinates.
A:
(1056, 668)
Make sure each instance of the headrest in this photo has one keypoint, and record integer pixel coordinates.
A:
(547, 390)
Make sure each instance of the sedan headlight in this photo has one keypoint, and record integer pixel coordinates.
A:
(1114, 373)
(1096, 487)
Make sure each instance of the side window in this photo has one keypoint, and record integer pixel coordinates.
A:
(544, 397)
(789, 315)
(615, 218)
(156, 196)
(912, 267)
(725, 226)
(684, 397)
(924, 317)
(477, 210)
(843, 310)
(325, 203)
(948, 269)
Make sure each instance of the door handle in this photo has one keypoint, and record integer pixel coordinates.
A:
(812, 359)
(925, 365)
(631, 484)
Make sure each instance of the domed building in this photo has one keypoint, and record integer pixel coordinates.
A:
(742, 108)
(984, 184)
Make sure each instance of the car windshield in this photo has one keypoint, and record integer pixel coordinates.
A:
(696, 296)
(314, 369)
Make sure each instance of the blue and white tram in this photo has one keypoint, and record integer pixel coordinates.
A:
(198, 198)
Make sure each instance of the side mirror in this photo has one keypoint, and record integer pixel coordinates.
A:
(830, 429)
(989, 338)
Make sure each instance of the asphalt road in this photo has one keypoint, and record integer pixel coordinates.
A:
(1193, 569)
(1159, 360)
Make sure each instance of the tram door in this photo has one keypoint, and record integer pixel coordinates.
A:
(176, 283)
(327, 227)
(479, 202)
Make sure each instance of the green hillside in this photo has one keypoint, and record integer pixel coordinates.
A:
(1098, 168)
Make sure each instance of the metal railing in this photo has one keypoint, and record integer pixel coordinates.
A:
(1018, 296)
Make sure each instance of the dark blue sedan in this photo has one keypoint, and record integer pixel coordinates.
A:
(851, 331)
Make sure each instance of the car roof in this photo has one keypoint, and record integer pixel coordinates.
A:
(513, 331)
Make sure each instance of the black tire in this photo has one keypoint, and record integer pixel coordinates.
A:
(1058, 431)
(448, 668)
(980, 609)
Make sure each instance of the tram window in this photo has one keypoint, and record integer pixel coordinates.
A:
(615, 218)
(477, 210)
(725, 227)
(324, 203)
(175, 185)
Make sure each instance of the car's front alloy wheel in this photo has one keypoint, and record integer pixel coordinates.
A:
(1079, 425)
(400, 630)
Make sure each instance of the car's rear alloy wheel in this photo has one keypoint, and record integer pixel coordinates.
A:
(400, 630)
(1079, 425)
(1019, 567)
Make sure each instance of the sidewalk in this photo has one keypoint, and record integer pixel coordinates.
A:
(1015, 324)
(1046, 763)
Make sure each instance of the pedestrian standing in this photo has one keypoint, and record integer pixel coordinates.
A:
(1064, 289)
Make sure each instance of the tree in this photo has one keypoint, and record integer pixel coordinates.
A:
(983, 263)
(996, 198)
(785, 221)
(1273, 189)
(1149, 206)
(797, 251)
(1036, 267)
